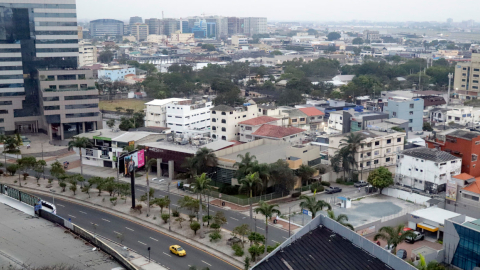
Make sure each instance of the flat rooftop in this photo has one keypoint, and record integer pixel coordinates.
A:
(437, 215)
(106, 133)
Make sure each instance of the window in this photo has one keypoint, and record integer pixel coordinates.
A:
(368, 163)
(369, 154)
(394, 114)
(302, 119)
(74, 115)
(449, 118)
(294, 120)
(178, 117)
(376, 153)
(224, 121)
(214, 120)
(412, 106)
(369, 144)
(375, 161)
(474, 157)
(389, 141)
(244, 116)
(248, 136)
(214, 136)
(224, 138)
(51, 108)
(224, 129)
(457, 118)
(389, 150)
(214, 128)
(477, 142)
(81, 106)
(410, 120)
(387, 159)
(377, 143)
(46, 99)
(454, 161)
(223, 113)
(421, 170)
(248, 128)
(399, 139)
(213, 112)
(411, 113)
(416, 169)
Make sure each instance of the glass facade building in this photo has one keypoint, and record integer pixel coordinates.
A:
(106, 27)
(467, 254)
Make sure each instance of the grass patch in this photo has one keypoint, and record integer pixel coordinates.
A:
(110, 105)
(241, 196)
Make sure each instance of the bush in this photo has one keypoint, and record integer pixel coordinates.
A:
(181, 185)
(215, 226)
(195, 226)
(215, 236)
(113, 201)
(50, 180)
(229, 190)
(316, 186)
(175, 213)
(325, 183)
(12, 169)
(296, 194)
(322, 170)
(238, 250)
(165, 217)
(272, 248)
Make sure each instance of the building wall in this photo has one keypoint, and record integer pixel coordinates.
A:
(462, 244)
(139, 31)
(229, 128)
(115, 74)
(411, 110)
(106, 27)
(414, 173)
(87, 55)
(467, 78)
(181, 118)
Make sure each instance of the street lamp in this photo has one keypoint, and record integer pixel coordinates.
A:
(450, 76)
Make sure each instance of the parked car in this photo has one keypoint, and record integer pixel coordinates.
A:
(418, 236)
(332, 190)
(402, 254)
(360, 184)
(389, 248)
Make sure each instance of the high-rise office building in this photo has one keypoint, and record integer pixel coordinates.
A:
(211, 30)
(136, 19)
(255, 25)
(467, 78)
(155, 26)
(199, 29)
(41, 89)
(139, 31)
(106, 27)
(170, 26)
(185, 27)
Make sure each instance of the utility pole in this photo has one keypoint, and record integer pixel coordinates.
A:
(289, 210)
(450, 76)
(169, 219)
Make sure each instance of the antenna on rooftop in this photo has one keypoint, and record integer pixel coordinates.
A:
(162, 16)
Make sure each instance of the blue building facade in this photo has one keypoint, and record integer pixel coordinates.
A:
(462, 242)
(407, 109)
(199, 29)
(185, 27)
(211, 30)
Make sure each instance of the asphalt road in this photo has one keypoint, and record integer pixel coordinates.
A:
(138, 237)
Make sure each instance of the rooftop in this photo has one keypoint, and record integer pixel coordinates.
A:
(189, 149)
(222, 108)
(474, 186)
(276, 131)
(430, 154)
(259, 121)
(475, 224)
(133, 136)
(105, 133)
(311, 111)
(265, 153)
(161, 102)
(435, 214)
(463, 176)
(464, 134)
(321, 248)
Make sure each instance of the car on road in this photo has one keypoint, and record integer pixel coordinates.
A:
(360, 184)
(332, 190)
(402, 254)
(418, 236)
(178, 250)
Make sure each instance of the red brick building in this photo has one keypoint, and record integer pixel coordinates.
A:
(460, 143)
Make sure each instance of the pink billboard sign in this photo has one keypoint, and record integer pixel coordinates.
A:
(141, 158)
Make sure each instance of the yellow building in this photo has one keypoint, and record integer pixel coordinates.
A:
(467, 76)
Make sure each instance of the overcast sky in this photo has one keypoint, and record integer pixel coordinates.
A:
(285, 10)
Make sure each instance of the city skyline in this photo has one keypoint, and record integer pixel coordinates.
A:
(282, 10)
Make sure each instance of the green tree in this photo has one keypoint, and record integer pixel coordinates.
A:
(79, 142)
(201, 184)
(267, 210)
(305, 172)
(351, 144)
(63, 185)
(10, 145)
(380, 178)
(165, 217)
(73, 187)
(57, 169)
(427, 126)
(195, 226)
(86, 188)
(111, 123)
(249, 182)
(432, 265)
(105, 57)
(256, 238)
(393, 235)
(263, 171)
(208, 47)
(245, 165)
(242, 230)
(312, 32)
(276, 52)
(282, 176)
(148, 167)
(162, 203)
(333, 36)
(164, 52)
(311, 204)
(358, 41)
(12, 169)
(125, 124)
(39, 168)
(256, 251)
(342, 219)
(219, 218)
(205, 159)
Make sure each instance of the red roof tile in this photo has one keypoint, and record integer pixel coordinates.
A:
(311, 111)
(276, 131)
(474, 187)
(258, 121)
(463, 176)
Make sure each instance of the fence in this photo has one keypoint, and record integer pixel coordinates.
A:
(247, 201)
(31, 200)
(407, 196)
(404, 211)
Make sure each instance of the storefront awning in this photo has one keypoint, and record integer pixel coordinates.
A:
(427, 227)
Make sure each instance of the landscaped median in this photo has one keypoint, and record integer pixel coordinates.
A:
(121, 206)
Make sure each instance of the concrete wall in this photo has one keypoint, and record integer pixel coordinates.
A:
(404, 195)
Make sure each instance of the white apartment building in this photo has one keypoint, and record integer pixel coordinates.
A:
(426, 169)
(156, 111)
(464, 115)
(378, 149)
(182, 38)
(158, 39)
(139, 31)
(248, 127)
(115, 73)
(335, 123)
(225, 120)
(183, 117)
(87, 54)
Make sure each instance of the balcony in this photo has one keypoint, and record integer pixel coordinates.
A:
(69, 89)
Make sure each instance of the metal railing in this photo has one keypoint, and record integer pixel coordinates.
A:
(18, 195)
(247, 201)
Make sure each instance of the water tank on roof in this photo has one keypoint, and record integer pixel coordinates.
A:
(246, 104)
(359, 108)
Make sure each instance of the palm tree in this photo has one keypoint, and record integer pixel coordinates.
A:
(249, 182)
(79, 142)
(199, 186)
(351, 143)
(10, 145)
(148, 167)
(393, 236)
(205, 158)
(311, 204)
(246, 165)
(305, 172)
(342, 219)
(267, 210)
(190, 164)
(263, 171)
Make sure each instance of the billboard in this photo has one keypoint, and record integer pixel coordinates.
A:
(138, 159)
(451, 191)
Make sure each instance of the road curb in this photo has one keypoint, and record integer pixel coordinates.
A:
(235, 261)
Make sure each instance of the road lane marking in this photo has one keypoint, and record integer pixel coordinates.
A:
(106, 220)
(142, 243)
(167, 254)
(60, 205)
(284, 237)
(260, 228)
(276, 242)
(174, 204)
(116, 232)
(234, 218)
(72, 216)
(82, 212)
(129, 229)
(207, 263)
(155, 230)
(153, 239)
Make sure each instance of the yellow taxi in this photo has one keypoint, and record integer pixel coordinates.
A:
(178, 250)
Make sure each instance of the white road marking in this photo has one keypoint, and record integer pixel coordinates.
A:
(234, 218)
(284, 237)
(167, 254)
(106, 220)
(207, 263)
(174, 204)
(153, 239)
(82, 212)
(129, 229)
(276, 242)
(142, 243)
(260, 228)
(60, 205)
(72, 216)
(116, 232)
